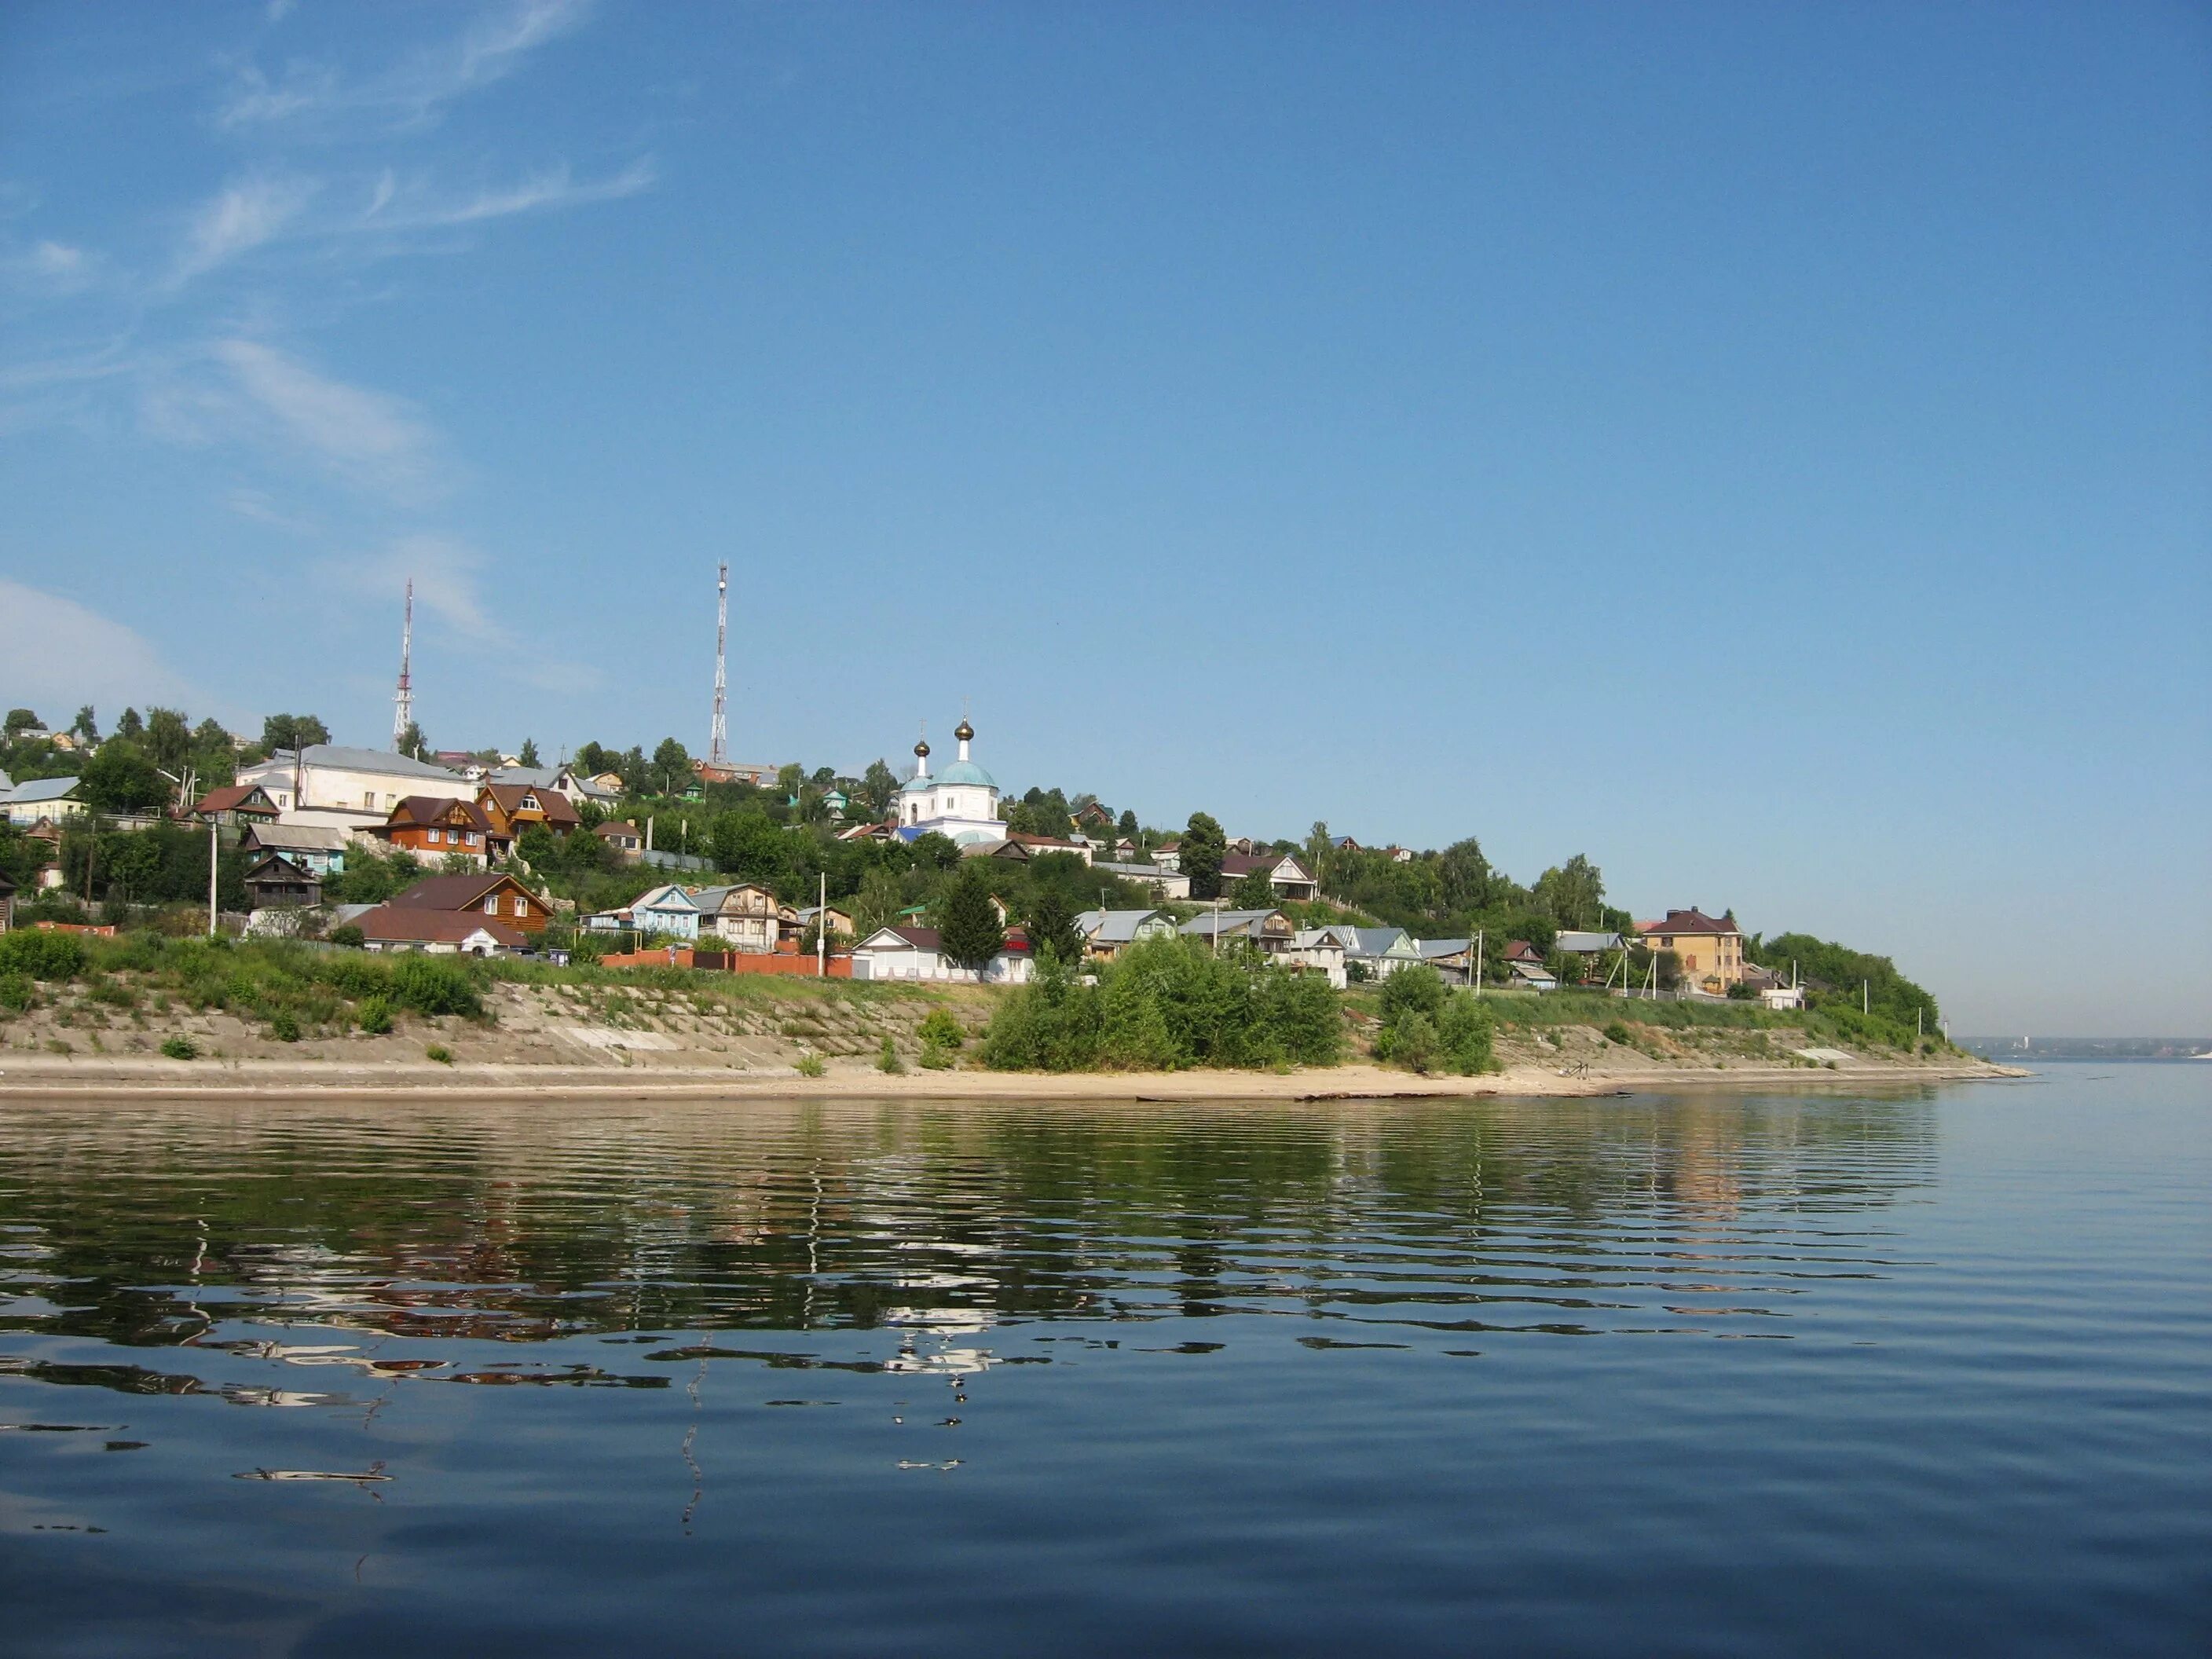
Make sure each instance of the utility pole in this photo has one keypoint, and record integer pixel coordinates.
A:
(1865, 1003)
(1475, 965)
(822, 928)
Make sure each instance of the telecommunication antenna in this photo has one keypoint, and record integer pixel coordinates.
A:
(403, 701)
(718, 740)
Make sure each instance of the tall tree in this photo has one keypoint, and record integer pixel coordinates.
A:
(412, 742)
(84, 725)
(671, 767)
(529, 755)
(130, 726)
(1203, 846)
(293, 732)
(967, 923)
(1464, 876)
(1128, 827)
(20, 720)
(1255, 890)
(746, 844)
(878, 785)
(1051, 923)
(168, 737)
(122, 778)
(1573, 894)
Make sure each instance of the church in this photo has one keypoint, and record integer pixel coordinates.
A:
(961, 803)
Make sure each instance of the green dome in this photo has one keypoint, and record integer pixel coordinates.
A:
(966, 772)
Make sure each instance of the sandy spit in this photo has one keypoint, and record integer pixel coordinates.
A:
(26, 1077)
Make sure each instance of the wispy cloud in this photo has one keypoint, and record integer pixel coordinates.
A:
(370, 440)
(394, 206)
(60, 654)
(50, 268)
(448, 574)
(247, 214)
(409, 94)
(260, 507)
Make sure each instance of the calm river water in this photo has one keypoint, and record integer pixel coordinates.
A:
(1929, 1373)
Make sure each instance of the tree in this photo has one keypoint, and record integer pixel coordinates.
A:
(1128, 827)
(292, 732)
(936, 851)
(1203, 846)
(591, 760)
(747, 845)
(881, 898)
(168, 738)
(1573, 894)
(672, 765)
(1051, 923)
(967, 923)
(878, 785)
(529, 755)
(540, 848)
(1463, 876)
(84, 725)
(1255, 890)
(128, 726)
(412, 742)
(120, 778)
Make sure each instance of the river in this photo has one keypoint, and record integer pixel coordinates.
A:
(1924, 1372)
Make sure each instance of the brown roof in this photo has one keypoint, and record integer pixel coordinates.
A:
(398, 924)
(1521, 950)
(422, 811)
(1243, 864)
(231, 798)
(461, 892)
(1691, 920)
(613, 827)
(551, 802)
(1023, 838)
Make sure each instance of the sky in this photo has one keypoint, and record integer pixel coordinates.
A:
(1766, 449)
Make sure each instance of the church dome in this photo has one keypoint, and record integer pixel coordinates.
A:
(965, 731)
(966, 772)
(921, 749)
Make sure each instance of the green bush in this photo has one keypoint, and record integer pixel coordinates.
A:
(284, 1028)
(1620, 1034)
(942, 1029)
(430, 986)
(17, 992)
(40, 954)
(1412, 1041)
(348, 934)
(888, 1060)
(935, 1057)
(811, 1066)
(1427, 1026)
(440, 1053)
(179, 1048)
(374, 1016)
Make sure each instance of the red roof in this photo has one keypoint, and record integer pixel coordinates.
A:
(233, 798)
(1521, 950)
(398, 924)
(1243, 864)
(428, 811)
(1691, 920)
(507, 797)
(461, 892)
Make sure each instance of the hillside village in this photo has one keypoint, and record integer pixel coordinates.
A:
(933, 874)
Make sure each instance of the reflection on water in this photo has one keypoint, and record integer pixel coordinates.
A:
(959, 1340)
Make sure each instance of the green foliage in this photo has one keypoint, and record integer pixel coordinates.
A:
(940, 1026)
(439, 1052)
(540, 847)
(1833, 975)
(967, 923)
(749, 846)
(374, 1016)
(17, 992)
(284, 1027)
(430, 985)
(1617, 1032)
(1255, 890)
(812, 1066)
(1051, 923)
(40, 954)
(1165, 1004)
(179, 1048)
(372, 878)
(1428, 1026)
(292, 732)
(348, 936)
(527, 755)
(1204, 845)
(122, 778)
(888, 1061)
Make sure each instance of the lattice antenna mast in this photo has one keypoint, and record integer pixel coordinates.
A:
(718, 740)
(403, 701)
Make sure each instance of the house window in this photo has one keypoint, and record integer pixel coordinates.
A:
(436, 836)
(522, 906)
(470, 836)
(491, 905)
(368, 797)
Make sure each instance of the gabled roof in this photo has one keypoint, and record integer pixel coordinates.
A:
(298, 837)
(886, 938)
(460, 892)
(1243, 864)
(1693, 921)
(1430, 948)
(1376, 942)
(1521, 950)
(508, 798)
(1582, 943)
(529, 777)
(614, 829)
(666, 896)
(398, 924)
(1113, 926)
(37, 789)
(236, 797)
(343, 758)
(1227, 922)
(275, 867)
(439, 812)
(6, 782)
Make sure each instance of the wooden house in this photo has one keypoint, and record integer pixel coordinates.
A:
(745, 917)
(434, 826)
(491, 893)
(236, 804)
(273, 880)
(511, 808)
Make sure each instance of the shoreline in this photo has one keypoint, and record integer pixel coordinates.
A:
(31, 1078)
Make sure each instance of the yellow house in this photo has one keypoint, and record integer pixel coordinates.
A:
(1710, 951)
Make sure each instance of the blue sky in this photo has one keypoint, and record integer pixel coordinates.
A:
(1768, 449)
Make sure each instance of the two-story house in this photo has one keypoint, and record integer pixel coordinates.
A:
(1710, 949)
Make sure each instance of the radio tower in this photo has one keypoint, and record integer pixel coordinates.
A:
(718, 741)
(403, 701)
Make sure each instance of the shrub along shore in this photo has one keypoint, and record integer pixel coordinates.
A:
(143, 1001)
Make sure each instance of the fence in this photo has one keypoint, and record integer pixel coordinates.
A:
(728, 961)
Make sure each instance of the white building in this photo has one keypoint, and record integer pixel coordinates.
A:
(355, 790)
(917, 954)
(961, 803)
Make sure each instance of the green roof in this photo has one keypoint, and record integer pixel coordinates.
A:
(967, 772)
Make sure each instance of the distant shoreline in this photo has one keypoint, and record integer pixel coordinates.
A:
(28, 1077)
